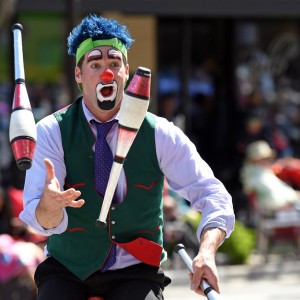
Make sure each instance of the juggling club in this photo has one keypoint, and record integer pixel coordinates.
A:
(132, 113)
(22, 130)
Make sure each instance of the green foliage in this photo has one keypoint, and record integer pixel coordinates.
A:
(239, 245)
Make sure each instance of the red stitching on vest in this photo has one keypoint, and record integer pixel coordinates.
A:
(75, 229)
(146, 187)
(74, 186)
(148, 231)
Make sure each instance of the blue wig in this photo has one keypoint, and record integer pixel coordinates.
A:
(98, 28)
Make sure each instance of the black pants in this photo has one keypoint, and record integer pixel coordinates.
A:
(138, 282)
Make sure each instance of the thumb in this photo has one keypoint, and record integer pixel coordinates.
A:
(50, 175)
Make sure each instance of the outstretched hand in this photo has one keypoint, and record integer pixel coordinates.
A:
(49, 211)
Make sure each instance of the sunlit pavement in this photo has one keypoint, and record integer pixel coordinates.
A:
(277, 280)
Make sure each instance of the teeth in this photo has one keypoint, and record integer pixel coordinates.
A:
(107, 85)
(103, 100)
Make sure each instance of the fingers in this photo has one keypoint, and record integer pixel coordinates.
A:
(214, 282)
(195, 284)
(198, 272)
(77, 203)
(70, 197)
(53, 196)
(70, 194)
(205, 271)
(198, 288)
(50, 175)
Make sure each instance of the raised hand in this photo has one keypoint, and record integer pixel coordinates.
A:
(49, 211)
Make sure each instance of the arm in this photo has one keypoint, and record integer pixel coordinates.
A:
(41, 182)
(191, 177)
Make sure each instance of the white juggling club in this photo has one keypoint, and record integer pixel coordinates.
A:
(132, 113)
(22, 130)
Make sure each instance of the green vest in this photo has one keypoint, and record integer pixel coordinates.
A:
(135, 224)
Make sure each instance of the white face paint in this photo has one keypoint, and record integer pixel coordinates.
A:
(113, 53)
(106, 71)
(108, 92)
(94, 55)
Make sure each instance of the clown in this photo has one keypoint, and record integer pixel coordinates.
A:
(62, 199)
(101, 63)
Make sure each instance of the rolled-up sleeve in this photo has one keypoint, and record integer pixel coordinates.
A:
(192, 178)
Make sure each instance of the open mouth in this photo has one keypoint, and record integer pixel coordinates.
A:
(106, 92)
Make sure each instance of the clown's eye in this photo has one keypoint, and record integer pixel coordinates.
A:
(115, 64)
(95, 66)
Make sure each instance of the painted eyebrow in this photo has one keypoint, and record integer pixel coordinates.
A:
(114, 54)
(114, 57)
(94, 55)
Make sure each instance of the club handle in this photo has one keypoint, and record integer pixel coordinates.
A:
(18, 52)
(210, 293)
(109, 193)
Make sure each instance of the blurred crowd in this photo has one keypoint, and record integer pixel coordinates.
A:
(259, 160)
(21, 249)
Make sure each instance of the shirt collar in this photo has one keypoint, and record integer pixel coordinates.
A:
(89, 116)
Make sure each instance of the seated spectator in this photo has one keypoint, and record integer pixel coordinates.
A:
(258, 177)
(288, 170)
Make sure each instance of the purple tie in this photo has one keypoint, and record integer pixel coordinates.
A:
(103, 157)
(103, 164)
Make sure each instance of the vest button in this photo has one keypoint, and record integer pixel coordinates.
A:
(113, 208)
(113, 222)
(113, 237)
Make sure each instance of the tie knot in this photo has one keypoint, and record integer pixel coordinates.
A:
(103, 128)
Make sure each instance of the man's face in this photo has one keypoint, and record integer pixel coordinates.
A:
(103, 76)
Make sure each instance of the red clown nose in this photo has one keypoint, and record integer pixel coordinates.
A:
(107, 75)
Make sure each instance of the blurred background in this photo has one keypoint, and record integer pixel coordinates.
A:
(226, 72)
